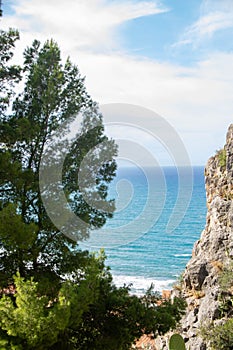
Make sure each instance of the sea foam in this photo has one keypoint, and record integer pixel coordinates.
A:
(141, 284)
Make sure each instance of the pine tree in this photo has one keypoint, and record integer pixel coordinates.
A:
(9, 74)
(54, 94)
(52, 295)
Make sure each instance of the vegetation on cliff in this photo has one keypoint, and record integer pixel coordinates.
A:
(207, 282)
(219, 334)
(221, 155)
(208, 277)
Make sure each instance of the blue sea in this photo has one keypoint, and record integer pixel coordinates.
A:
(140, 245)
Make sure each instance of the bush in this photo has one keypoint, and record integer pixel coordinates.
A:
(219, 337)
(226, 277)
(222, 158)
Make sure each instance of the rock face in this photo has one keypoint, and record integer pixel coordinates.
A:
(200, 285)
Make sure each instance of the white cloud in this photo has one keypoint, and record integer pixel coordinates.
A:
(207, 25)
(196, 101)
(215, 16)
(89, 24)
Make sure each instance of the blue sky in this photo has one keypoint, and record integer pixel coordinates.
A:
(174, 57)
(154, 36)
(160, 36)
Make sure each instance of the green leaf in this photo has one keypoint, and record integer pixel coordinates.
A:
(176, 342)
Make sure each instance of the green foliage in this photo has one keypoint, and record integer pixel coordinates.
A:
(9, 74)
(222, 157)
(92, 314)
(116, 319)
(176, 342)
(36, 321)
(64, 298)
(53, 94)
(225, 296)
(226, 277)
(30, 318)
(219, 337)
(22, 235)
(167, 315)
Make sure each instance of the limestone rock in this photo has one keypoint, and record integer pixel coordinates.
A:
(214, 248)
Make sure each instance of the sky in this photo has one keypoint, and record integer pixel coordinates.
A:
(174, 58)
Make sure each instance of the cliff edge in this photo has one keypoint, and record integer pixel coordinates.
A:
(211, 253)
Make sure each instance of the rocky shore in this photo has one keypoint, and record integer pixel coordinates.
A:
(200, 283)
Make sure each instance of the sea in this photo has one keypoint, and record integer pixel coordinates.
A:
(160, 213)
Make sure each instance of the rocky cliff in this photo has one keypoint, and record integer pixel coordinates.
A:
(211, 252)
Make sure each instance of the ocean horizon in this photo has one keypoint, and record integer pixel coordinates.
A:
(152, 255)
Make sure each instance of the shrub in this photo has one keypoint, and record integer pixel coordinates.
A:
(226, 277)
(219, 337)
(222, 158)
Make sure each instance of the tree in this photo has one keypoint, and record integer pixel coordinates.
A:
(29, 320)
(54, 94)
(59, 297)
(92, 314)
(9, 74)
(34, 322)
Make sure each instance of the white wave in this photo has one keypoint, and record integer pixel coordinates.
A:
(141, 284)
(182, 255)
